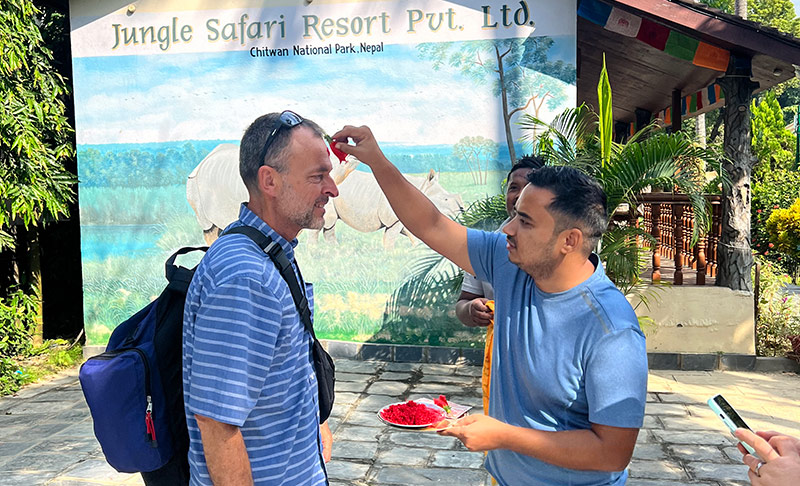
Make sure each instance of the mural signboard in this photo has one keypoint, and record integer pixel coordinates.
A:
(164, 91)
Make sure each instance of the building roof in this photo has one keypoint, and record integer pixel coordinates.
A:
(643, 74)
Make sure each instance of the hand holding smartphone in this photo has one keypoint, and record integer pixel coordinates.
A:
(729, 417)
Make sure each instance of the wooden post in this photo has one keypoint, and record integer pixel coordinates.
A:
(701, 261)
(677, 231)
(655, 214)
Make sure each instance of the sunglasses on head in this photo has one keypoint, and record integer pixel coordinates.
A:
(286, 119)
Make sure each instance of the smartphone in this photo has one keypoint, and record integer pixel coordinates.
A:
(730, 417)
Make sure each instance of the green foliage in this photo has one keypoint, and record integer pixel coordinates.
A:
(18, 315)
(774, 190)
(773, 144)
(606, 124)
(778, 313)
(783, 227)
(35, 137)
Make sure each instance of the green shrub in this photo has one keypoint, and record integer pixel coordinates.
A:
(778, 313)
(18, 314)
(783, 227)
(774, 190)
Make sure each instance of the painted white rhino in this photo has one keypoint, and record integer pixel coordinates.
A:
(362, 206)
(215, 190)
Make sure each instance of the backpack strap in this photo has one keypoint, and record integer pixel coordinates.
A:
(180, 277)
(278, 256)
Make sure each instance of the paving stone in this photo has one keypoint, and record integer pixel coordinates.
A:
(700, 438)
(454, 380)
(346, 399)
(656, 470)
(38, 407)
(733, 454)
(369, 419)
(423, 439)
(18, 478)
(11, 449)
(359, 433)
(651, 422)
(350, 386)
(458, 459)
(362, 367)
(391, 388)
(697, 453)
(650, 452)
(45, 462)
(436, 389)
(707, 424)
(66, 445)
(346, 470)
(408, 456)
(373, 403)
(334, 423)
(437, 369)
(663, 409)
(402, 367)
(81, 429)
(470, 371)
(429, 476)
(346, 449)
(718, 472)
(659, 482)
(344, 376)
(395, 376)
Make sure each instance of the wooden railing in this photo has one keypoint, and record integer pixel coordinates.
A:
(670, 219)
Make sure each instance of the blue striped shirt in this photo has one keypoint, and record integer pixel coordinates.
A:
(246, 361)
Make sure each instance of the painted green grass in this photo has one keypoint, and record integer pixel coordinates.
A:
(353, 278)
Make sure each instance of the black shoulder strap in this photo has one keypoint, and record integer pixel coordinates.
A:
(180, 277)
(281, 261)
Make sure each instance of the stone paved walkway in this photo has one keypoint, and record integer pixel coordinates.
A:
(46, 431)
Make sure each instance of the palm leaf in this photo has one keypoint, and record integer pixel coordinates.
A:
(604, 114)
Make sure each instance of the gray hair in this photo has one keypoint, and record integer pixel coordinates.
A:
(253, 142)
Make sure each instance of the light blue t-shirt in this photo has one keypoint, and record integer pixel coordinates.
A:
(560, 361)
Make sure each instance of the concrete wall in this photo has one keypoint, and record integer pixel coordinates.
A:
(693, 319)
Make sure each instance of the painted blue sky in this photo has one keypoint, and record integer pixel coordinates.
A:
(134, 99)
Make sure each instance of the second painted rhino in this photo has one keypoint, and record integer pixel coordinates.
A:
(362, 206)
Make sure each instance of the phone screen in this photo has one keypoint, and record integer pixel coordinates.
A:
(726, 407)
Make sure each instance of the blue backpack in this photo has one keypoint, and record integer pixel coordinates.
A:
(135, 388)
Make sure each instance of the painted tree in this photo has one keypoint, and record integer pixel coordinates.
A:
(519, 72)
(477, 152)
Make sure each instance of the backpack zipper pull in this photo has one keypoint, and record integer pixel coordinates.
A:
(148, 420)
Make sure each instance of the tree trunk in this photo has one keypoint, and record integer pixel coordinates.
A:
(504, 100)
(735, 255)
(740, 8)
(701, 129)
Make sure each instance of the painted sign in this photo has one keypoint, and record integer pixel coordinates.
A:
(164, 91)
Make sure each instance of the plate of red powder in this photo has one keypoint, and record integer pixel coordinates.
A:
(411, 415)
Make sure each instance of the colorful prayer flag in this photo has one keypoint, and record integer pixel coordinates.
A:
(653, 34)
(681, 46)
(594, 11)
(711, 57)
(624, 23)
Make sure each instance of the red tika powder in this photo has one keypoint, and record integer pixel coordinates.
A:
(410, 413)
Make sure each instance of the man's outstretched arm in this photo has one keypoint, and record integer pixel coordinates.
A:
(412, 207)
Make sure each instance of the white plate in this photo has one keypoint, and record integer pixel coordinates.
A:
(403, 426)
